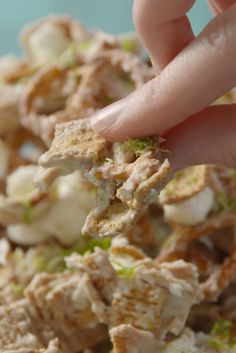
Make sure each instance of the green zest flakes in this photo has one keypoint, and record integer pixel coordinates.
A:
(18, 289)
(69, 58)
(150, 325)
(93, 191)
(108, 100)
(85, 45)
(138, 146)
(26, 215)
(39, 264)
(53, 265)
(88, 245)
(24, 80)
(221, 336)
(53, 261)
(128, 84)
(126, 273)
(225, 203)
(128, 44)
(191, 181)
(233, 173)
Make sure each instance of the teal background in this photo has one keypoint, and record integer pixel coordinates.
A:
(111, 15)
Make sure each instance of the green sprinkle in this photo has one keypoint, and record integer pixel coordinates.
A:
(54, 191)
(77, 75)
(222, 327)
(233, 173)
(138, 146)
(18, 289)
(168, 190)
(225, 203)
(126, 273)
(24, 80)
(40, 264)
(150, 324)
(53, 261)
(129, 45)
(101, 161)
(128, 84)
(93, 192)
(108, 100)
(85, 45)
(68, 59)
(221, 336)
(56, 264)
(179, 175)
(88, 245)
(26, 215)
(191, 181)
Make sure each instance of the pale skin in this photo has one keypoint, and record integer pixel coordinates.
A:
(191, 73)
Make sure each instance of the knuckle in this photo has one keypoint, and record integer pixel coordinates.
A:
(219, 35)
(156, 92)
(149, 94)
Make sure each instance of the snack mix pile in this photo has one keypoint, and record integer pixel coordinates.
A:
(99, 251)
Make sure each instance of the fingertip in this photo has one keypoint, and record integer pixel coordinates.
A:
(105, 120)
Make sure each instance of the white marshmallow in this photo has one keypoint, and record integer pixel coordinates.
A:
(192, 211)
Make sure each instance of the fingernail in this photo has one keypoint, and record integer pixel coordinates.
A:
(105, 118)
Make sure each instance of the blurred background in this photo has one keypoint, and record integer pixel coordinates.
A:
(111, 15)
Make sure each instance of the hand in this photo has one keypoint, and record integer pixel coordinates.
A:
(191, 73)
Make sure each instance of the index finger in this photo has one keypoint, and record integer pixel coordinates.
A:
(201, 73)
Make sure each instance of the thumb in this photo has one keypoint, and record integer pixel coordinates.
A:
(208, 137)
